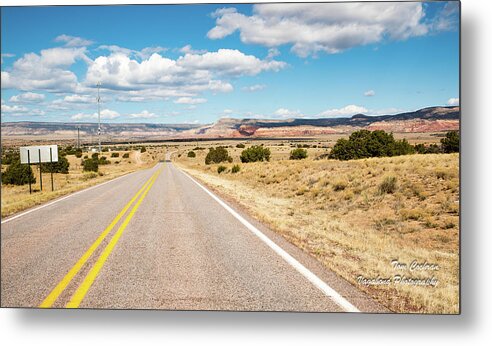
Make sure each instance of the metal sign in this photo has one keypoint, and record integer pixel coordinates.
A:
(39, 153)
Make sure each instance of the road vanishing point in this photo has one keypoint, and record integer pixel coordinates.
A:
(159, 239)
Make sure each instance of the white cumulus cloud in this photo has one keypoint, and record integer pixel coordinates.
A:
(287, 113)
(27, 97)
(74, 101)
(105, 114)
(20, 110)
(454, 101)
(159, 77)
(328, 27)
(229, 62)
(189, 50)
(190, 100)
(344, 111)
(47, 71)
(370, 93)
(14, 109)
(142, 115)
(73, 41)
(253, 88)
(145, 53)
(6, 55)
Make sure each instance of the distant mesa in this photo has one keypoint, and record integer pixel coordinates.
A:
(431, 119)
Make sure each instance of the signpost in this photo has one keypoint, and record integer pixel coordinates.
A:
(39, 154)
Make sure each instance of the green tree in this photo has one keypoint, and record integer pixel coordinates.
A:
(451, 143)
(344, 149)
(298, 154)
(61, 166)
(217, 155)
(255, 153)
(362, 144)
(90, 165)
(18, 174)
(191, 153)
(420, 148)
(402, 148)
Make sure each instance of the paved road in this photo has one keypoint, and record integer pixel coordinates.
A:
(174, 246)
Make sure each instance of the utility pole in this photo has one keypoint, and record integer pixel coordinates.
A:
(78, 137)
(99, 115)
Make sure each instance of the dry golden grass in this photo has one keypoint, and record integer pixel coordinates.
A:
(17, 198)
(338, 212)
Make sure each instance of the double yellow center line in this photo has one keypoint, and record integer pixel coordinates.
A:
(84, 287)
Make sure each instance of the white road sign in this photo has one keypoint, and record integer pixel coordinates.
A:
(34, 153)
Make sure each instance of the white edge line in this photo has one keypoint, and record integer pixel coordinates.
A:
(65, 197)
(316, 281)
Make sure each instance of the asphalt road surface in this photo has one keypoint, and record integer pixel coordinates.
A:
(156, 239)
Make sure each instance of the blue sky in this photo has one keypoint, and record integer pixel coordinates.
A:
(198, 63)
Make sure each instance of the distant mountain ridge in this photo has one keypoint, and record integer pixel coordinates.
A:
(423, 120)
(431, 119)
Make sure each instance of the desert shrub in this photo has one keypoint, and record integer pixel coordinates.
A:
(388, 185)
(61, 166)
(105, 150)
(339, 185)
(88, 176)
(68, 150)
(419, 148)
(95, 156)
(451, 143)
(103, 161)
(298, 154)
(143, 149)
(191, 153)
(10, 156)
(217, 155)
(365, 143)
(433, 149)
(241, 146)
(235, 169)
(126, 155)
(440, 174)
(18, 174)
(255, 153)
(429, 149)
(90, 165)
(115, 154)
(86, 157)
(221, 169)
(78, 153)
